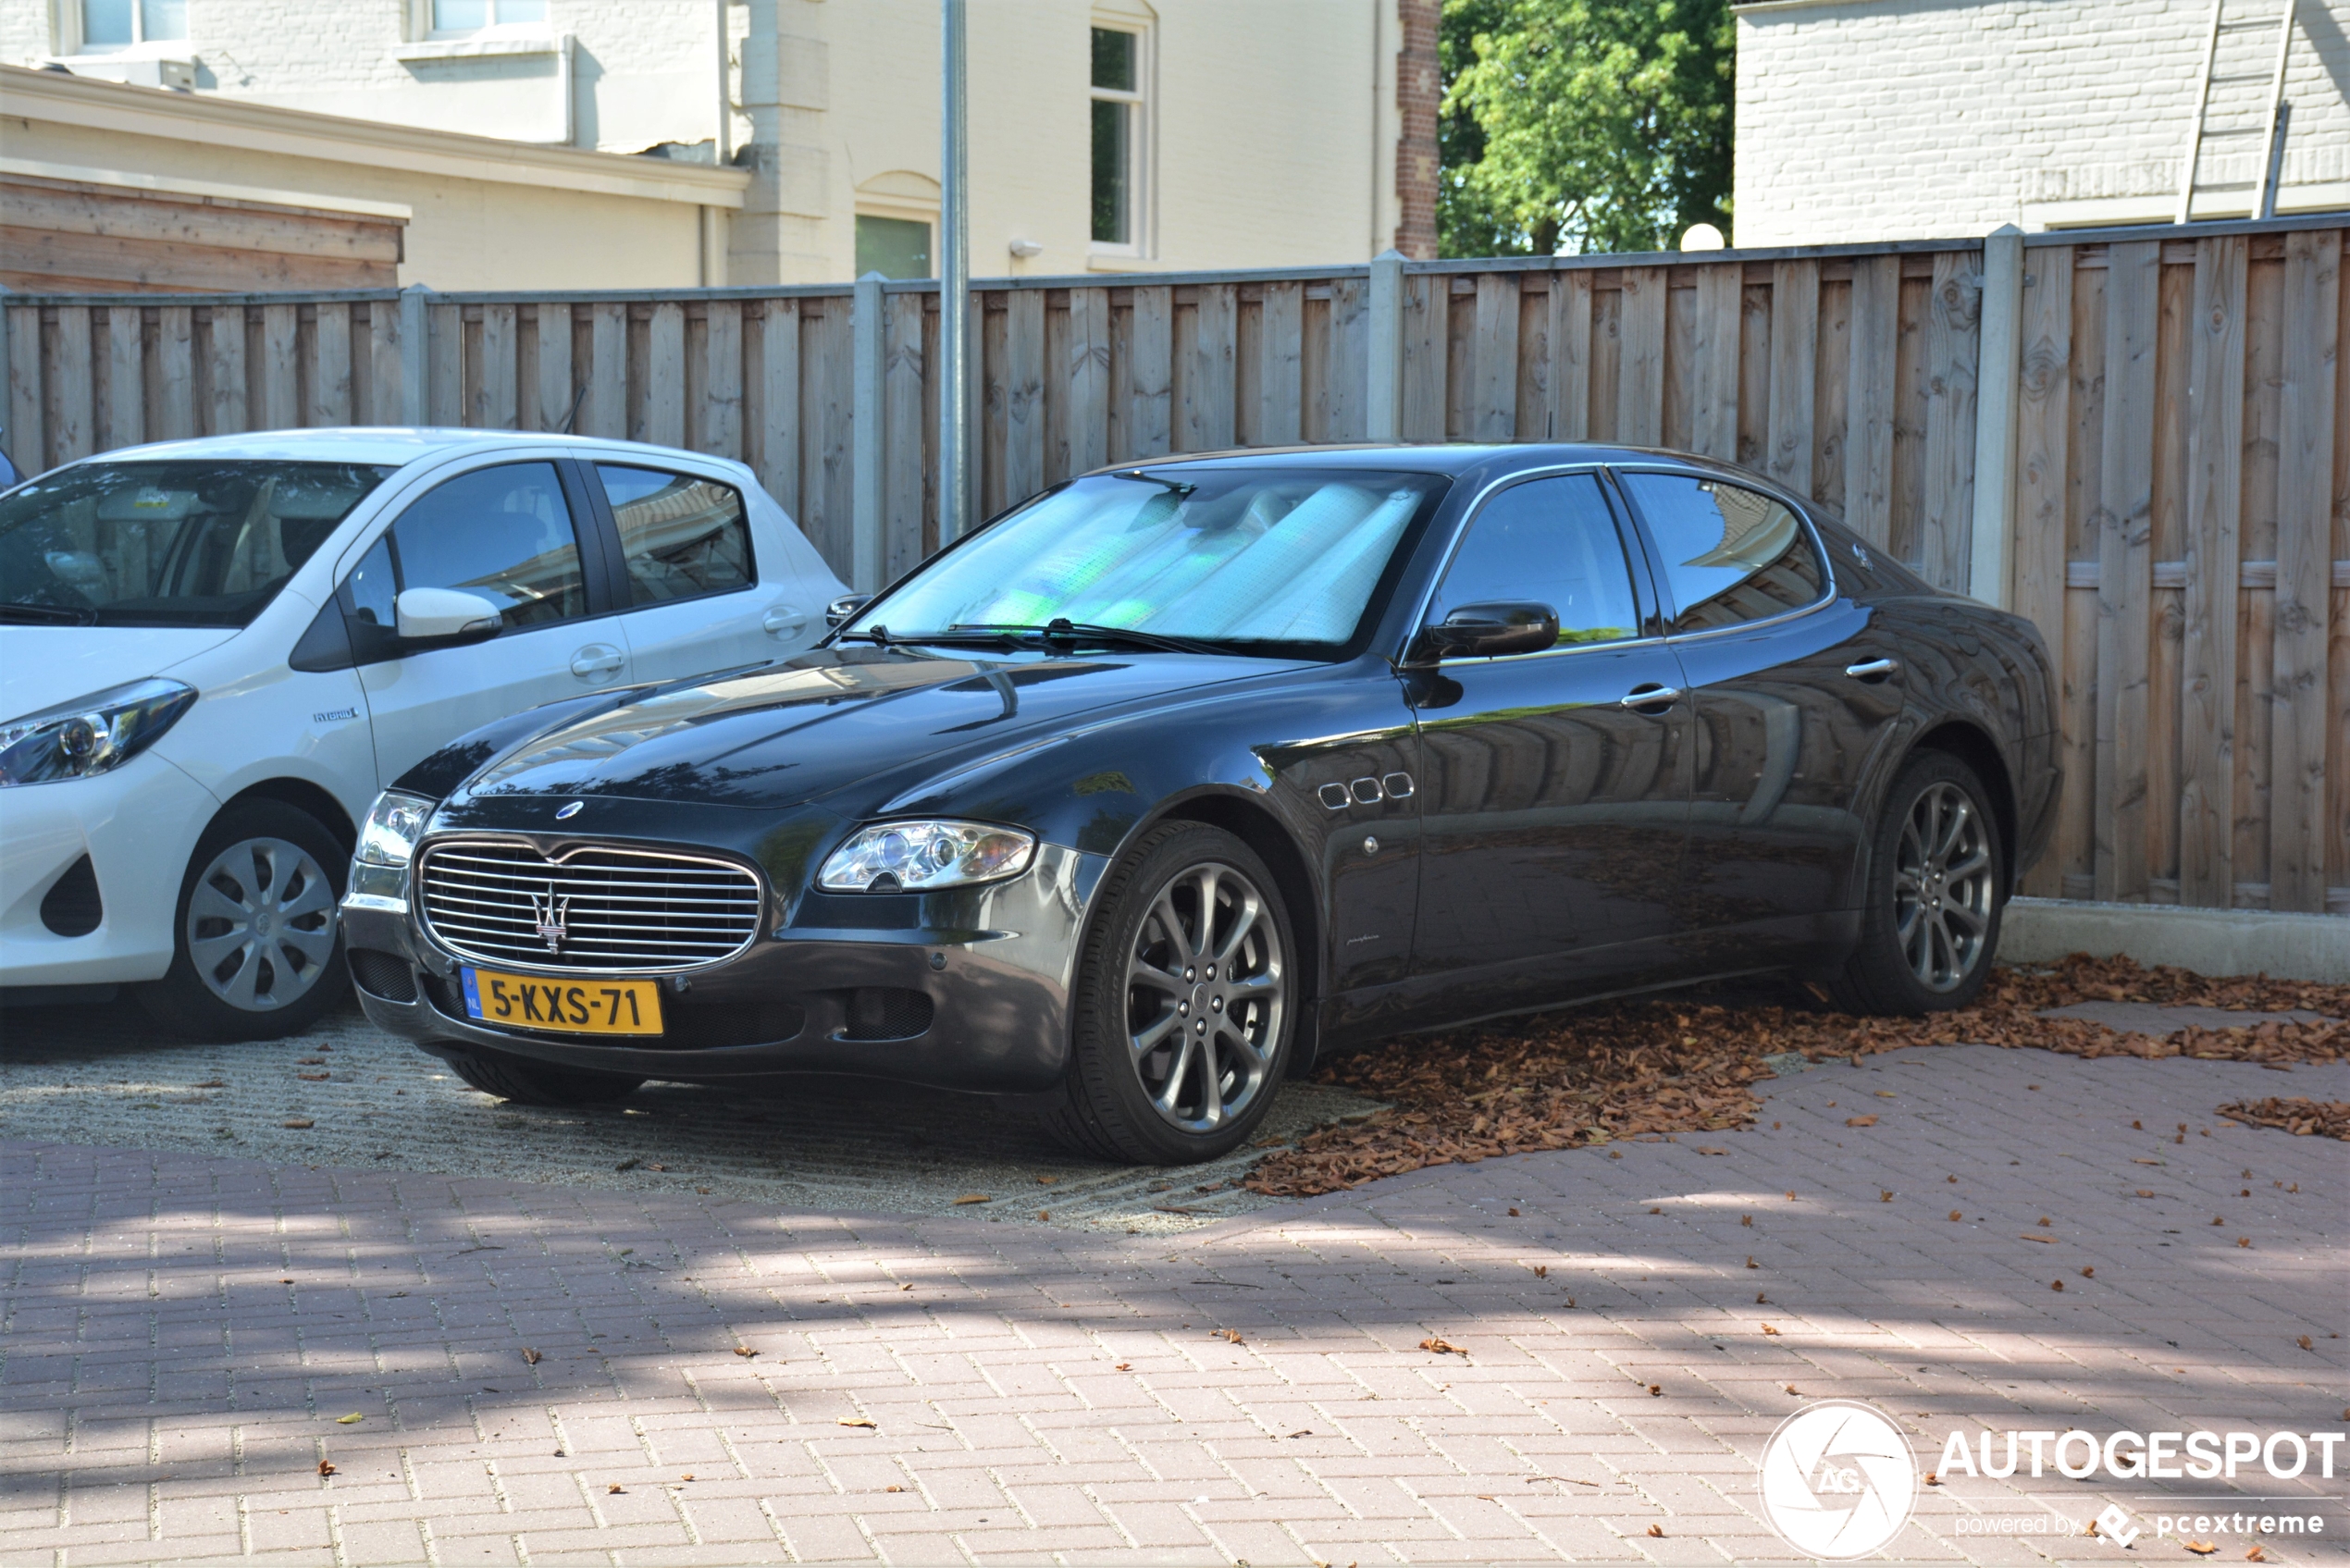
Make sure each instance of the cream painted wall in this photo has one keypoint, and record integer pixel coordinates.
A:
(465, 233)
(1272, 139)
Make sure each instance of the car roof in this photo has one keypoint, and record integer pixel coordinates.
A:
(388, 446)
(1450, 457)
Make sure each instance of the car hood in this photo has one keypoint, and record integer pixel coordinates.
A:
(791, 732)
(45, 666)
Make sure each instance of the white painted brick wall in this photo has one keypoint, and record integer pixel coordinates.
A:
(645, 69)
(1921, 118)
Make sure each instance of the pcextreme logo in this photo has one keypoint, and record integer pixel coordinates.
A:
(1838, 1479)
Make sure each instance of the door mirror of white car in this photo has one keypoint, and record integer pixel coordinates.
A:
(446, 615)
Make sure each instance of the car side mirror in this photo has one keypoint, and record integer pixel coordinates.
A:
(837, 612)
(1486, 631)
(446, 616)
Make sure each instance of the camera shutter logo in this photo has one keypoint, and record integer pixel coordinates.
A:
(1838, 1479)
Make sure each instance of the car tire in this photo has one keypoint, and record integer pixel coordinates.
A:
(538, 1083)
(1212, 1004)
(1936, 890)
(257, 931)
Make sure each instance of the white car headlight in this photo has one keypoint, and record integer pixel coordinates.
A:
(92, 734)
(918, 856)
(394, 823)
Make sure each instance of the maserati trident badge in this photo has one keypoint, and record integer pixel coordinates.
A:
(548, 913)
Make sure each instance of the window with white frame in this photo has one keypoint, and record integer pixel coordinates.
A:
(454, 19)
(108, 25)
(1120, 133)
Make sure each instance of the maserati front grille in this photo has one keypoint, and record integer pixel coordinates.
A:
(594, 909)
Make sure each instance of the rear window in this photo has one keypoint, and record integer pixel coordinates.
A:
(167, 544)
(1730, 554)
(681, 536)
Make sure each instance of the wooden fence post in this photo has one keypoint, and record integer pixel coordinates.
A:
(865, 436)
(1998, 375)
(1383, 397)
(411, 354)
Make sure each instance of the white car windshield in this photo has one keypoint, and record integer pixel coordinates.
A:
(1241, 556)
(191, 543)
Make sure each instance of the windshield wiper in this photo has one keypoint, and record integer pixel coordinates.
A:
(1062, 630)
(49, 614)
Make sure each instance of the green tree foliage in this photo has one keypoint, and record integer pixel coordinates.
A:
(1574, 126)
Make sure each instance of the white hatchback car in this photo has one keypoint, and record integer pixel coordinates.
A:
(213, 653)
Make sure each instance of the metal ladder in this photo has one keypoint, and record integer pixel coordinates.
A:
(2232, 117)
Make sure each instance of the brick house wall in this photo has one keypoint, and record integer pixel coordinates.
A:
(1419, 91)
(1918, 119)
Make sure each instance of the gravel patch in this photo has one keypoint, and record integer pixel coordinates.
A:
(346, 1094)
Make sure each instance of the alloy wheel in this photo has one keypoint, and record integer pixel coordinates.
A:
(1204, 997)
(261, 924)
(1942, 883)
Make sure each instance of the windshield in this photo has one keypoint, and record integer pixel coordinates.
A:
(1233, 556)
(167, 544)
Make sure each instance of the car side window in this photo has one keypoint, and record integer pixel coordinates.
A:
(503, 533)
(681, 536)
(1552, 541)
(1729, 554)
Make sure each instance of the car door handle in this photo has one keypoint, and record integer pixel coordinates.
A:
(1650, 696)
(597, 658)
(784, 620)
(1873, 669)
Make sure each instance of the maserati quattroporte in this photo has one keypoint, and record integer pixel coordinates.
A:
(1135, 802)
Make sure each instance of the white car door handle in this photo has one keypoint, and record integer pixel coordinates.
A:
(597, 658)
(784, 620)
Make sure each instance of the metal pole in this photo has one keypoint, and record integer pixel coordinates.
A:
(954, 280)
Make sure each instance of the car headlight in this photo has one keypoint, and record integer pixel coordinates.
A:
(394, 823)
(92, 734)
(918, 856)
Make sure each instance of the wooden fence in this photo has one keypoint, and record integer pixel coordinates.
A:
(2136, 437)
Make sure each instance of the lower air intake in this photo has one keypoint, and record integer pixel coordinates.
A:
(886, 1012)
(383, 975)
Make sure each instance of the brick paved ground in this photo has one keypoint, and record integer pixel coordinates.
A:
(182, 1334)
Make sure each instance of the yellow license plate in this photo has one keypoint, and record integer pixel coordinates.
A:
(568, 1006)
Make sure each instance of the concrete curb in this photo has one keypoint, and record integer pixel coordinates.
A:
(2212, 941)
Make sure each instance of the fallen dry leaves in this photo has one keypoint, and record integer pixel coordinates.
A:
(531, 1356)
(1653, 1068)
(1442, 1347)
(2324, 1118)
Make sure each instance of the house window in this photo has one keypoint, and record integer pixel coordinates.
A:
(1117, 136)
(894, 247)
(452, 17)
(121, 24)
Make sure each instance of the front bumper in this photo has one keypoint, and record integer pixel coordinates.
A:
(962, 990)
(138, 823)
